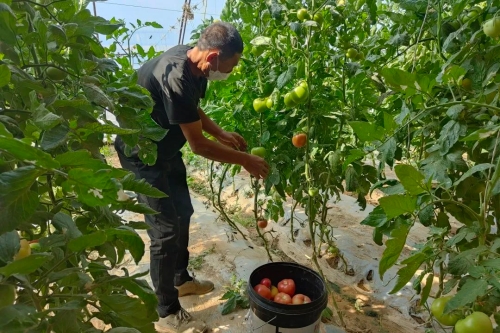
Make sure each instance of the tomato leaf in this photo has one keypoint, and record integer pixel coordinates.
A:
(4, 75)
(286, 76)
(411, 178)
(141, 186)
(87, 241)
(394, 246)
(9, 246)
(395, 205)
(405, 274)
(367, 131)
(376, 218)
(130, 238)
(25, 265)
(473, 170)
(464, 261)
(229, 306)
(468, 293)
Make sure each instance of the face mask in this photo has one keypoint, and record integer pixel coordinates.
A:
(217, 75)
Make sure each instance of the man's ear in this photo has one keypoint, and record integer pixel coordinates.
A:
(211, 55)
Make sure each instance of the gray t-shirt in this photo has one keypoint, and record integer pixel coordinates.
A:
(176, 93)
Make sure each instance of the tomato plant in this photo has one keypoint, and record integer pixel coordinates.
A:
(287, 286)
(58, 85)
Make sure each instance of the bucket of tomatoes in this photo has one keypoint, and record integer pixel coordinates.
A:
(286, 295)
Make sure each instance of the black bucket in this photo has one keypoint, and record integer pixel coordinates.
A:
(269, 316)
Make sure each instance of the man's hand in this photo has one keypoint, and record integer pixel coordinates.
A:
(233, 140)
(256, 166)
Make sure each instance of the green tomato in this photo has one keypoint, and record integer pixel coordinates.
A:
(318, 17)
(304, 85)
(352, 53)
(437, 310)
(56, 74)
(491, 27)
(299, 94)
(257, 50)
(466, 84)
(302, 14)
(477, 322)
(360, 56)
(269, 103)
(8, 293)
(289, 102)
(313, 191)
(258, 151)
(259, 105)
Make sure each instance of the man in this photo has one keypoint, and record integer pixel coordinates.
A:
(177, 80)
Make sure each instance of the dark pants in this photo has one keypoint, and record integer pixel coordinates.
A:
(169, 230)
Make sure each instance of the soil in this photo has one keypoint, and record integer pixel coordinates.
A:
(223, 256)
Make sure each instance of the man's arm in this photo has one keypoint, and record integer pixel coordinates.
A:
(202, 146)
(209, 125)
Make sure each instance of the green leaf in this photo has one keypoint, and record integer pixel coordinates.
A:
(96, 95)
(395, 205)
(411, 178)
(54, 137)
(81, 159)
(376, 218)
(405, 274)
(110, 128)
(26, 265)
(25, 152)
(481, 134)
(87, 241)
(130, 310)
(7, 24)
(400, 80)
(473, 170)
(229, 306)
(468, 293)
(394, 246)
(4, 75)
(139, 288)
(388, 151)
(9, 246)
(367, 131)
(107, 28)
(65, 224)
(141, 186)
(427, 289)
(286, 77)
(131, 238)
(464, 261)
(261, 40)
(155, 25)
(17, 201)
(449, 136)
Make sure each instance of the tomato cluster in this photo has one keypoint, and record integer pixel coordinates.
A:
(475, 322)
(284, 293)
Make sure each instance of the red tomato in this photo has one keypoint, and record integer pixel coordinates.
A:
(283, 298)
(263, 291)
(287, 286)
(300, 299)
(299, 140)
(266, 282)
(262, 223)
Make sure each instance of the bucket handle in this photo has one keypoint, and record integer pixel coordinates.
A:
(268, 322)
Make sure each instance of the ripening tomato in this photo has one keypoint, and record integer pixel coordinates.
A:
(287, 286)
(24, 251)
(274, 291)
(263, 291)
(299, 140)
(300, 299)
(466, 83)
(282, 298)
(262, 223)
(266, 282)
